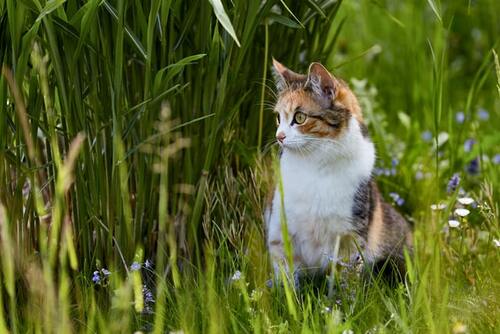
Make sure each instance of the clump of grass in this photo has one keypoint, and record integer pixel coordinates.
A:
(134, 169)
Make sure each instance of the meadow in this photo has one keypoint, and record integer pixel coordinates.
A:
(137, 151)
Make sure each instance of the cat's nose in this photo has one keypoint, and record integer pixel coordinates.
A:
(281, 136)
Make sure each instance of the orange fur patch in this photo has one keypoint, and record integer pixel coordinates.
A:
(346, 98)
(376, 231)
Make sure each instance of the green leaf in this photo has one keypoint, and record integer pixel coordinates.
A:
(286, 21)
(174, 69)
(221, 15)
(49, 8)
(291, 13)
(404, 119)
(434, 9)
(317, 8)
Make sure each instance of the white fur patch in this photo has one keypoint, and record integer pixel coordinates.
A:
(320, 178)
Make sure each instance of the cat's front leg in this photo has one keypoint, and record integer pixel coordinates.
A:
(281, 265)
(279, 258)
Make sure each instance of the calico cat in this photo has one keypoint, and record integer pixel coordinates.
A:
(331, 204)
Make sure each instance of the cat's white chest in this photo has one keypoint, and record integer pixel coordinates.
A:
(318, 205)
(315, 197)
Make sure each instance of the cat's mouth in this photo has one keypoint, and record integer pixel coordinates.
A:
(295, 145)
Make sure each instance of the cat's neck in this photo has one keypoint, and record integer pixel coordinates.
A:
(352, 156)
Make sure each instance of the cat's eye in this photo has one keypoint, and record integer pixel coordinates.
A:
(278, 119)
(299, 117)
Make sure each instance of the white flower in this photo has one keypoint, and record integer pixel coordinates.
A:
(236, 276)
(465, 200)
(462, 212)
(496, 242)
(453, 223)
(439, 206)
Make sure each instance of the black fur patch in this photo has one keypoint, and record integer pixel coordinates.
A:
(363, 208)
(334, 116)
(364, 129)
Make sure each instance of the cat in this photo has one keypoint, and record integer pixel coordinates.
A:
(331, 204)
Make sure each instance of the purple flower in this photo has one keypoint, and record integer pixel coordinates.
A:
(453, 183)
(460, 117)
(483, 114)
(496, 159)
(419, 175)
(96, 278)
(135, 266)
(473, 166)
(148, 295)
(468, 144)
(426, 136)
(397, 199)
(148, 300)
(105, 272)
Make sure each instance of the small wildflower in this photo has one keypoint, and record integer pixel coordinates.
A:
(462, 212)
(459, 328)
(496, 242)
(473, 166)
(148, 264)
(135, 266)
(483, 114)
(419, 175)
(453, 183)
(465, 200)
(148, 295)
(453, 223)
(256, 295)
(331, 258)
(496, 159)
(96, 278)
(426, 136)
(397, 199)
(105, 272)
(460, 117)
(440, 206)
(468, 144)
(236, 276)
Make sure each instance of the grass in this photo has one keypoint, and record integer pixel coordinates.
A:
(136, 139)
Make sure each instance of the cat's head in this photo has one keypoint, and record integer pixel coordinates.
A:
(315, 110)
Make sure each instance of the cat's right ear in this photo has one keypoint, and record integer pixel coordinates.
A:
(284, 77)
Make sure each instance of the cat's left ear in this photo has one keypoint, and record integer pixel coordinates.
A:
(321, 81)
